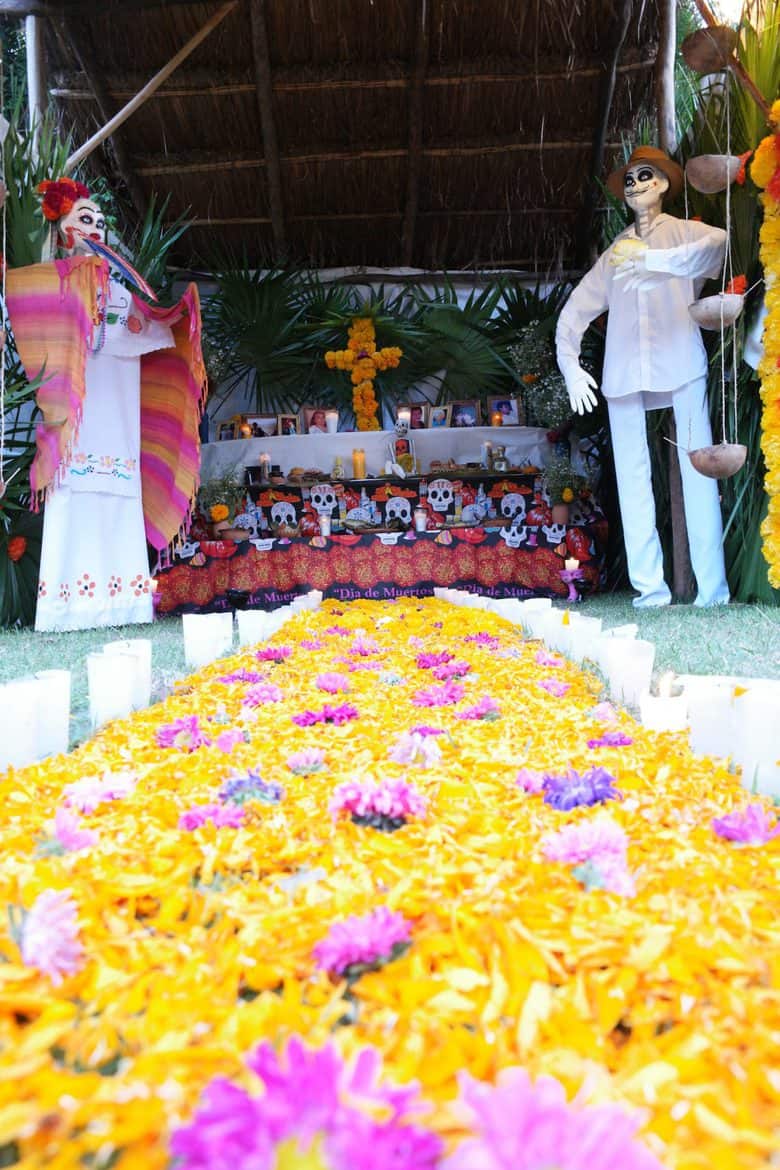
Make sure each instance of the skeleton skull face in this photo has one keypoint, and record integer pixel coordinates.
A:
(85, 219)
(398, 508)
(283, 513)
(323, 499)
(401, 428)
(515, 536)
(554, 533)
(513, 506)
(440, 494)
(644, 186)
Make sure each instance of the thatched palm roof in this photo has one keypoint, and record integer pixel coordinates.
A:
(425, 133)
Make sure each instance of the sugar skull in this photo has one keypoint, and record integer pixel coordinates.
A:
(513, 506)
(398, 508)
(283, 512)
(401, 428)
(323, 499)
(515, 535)
(554, 533)
(440, 495)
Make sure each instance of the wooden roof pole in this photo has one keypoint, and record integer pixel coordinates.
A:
(265, 100)
(414, 157)
(89, 68)
(36, 73)
(106, 131)
(664, 75)
(583, 236)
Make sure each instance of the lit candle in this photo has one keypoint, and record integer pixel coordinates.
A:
(570, 564)
(265, 465)
(496, 419)
(664, 711)
(358, 463)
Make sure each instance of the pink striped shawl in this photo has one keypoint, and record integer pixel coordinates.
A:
(53, 313)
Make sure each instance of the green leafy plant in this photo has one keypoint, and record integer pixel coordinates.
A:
(219, 496)
(543, 389)
(562, 482)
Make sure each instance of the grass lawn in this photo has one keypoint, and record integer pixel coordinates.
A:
(739, 640)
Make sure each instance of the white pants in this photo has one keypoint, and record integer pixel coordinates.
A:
(637, 504)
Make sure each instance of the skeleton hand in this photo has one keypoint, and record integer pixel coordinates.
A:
(626, 250)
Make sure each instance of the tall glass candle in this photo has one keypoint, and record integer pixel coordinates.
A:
(358, 463)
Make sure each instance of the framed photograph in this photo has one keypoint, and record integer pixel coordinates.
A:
(509, 408)
(226, 430)
(314, 420)
(288, 424)
(439, 416)
(465, 414)
(263, 425)
(417, 412)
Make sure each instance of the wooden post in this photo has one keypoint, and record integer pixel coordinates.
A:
(414, 158)
(147, 91)
(36, 87)
(265, 105)
(664, 75)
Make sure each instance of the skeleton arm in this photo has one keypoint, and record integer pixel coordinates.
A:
(586, 302)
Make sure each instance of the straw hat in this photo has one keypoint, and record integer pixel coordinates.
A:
(657, 158)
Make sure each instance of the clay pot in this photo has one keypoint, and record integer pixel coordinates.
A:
(708, 49)
(720, 461)
(710, 173)
(560, 513)
(718, 311)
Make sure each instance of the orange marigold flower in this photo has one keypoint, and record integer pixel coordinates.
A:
(737, 285)
(17, 546)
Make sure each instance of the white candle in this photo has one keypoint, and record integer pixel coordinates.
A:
(111, 679)
(664, 712)
(53, 734)
(253, 626)
(141, 650)
(757, 735)
(571, 563)
(332, 421)
(405, 416)
(265, 465)
(18, 722)
(629, 667)
(710, 715)
(206, 636)
(583, 636)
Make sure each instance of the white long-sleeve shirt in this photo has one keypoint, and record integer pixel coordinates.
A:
(653, 345)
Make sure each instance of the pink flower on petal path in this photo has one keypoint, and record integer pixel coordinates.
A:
(50, 936)
(222, 816)
(262, 693)
(529, 780)
(227, 740)
(525, 1125)
(392, 797)
(443, 696)
(751, 825)
(68, 833)
(332, 682)
(306, 761)
(362, 940)
(605, 712)
(273, 653)
(413, 747)
(486, 708)
(450, 670)
(89, 792)
(554, 687)
(544, 658)
(184, 733)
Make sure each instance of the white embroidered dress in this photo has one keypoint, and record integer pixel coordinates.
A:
(94, 565)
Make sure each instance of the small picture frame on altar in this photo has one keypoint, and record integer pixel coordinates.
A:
(288, 424)
(509, 409)
(263, 426)
(315, 420)
(465, 414)
(439, 416)
(416, 412)
(226, 430)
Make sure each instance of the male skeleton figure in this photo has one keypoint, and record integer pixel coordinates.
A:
(654, 358)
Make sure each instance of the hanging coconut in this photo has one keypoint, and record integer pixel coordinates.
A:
(708, 49)
(710, 173)
(718, 311)
(720, 461)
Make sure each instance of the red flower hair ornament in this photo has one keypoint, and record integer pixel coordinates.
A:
(59, 195)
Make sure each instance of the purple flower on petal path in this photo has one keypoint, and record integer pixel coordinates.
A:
(239, 789)
(306, 761)
(273, 653)
(429, 661)
(362, 940)
(543, 658)
(412, 747)
(332, 682)
(89, 792)
(50, 936)
(450, 670)
(262, 693)
(611, 739)
(751, 825)
(486, 708)
(311, 644)
(220, 816)
(227, 740)
(68, 834)
(570, 791)
(184, 734)
(553, 686)
(484, 639)
(248, 676)
(328, 714)
(443, 696)
(520, 1124)
(338, 631)
(605, 712)
(364, 647)
(227, 1130)
(424, 729)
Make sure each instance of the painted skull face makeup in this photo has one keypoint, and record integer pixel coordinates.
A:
(644, 185)
(85, 219)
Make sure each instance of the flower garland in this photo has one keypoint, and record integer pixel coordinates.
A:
(364, 361)
(765, 172)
